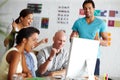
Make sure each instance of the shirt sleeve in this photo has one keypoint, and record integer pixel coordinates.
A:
(103, 27)
(75, 26)
(41, 57)
(27, 60)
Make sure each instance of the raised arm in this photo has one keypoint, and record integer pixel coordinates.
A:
(41, 42)
(104, 38)
(44, 67)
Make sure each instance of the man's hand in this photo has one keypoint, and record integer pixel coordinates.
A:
(97, 36)
(73, 34)
(51, 74)
(53, 52)
(41, 42)
(58, 73)
(44, 40)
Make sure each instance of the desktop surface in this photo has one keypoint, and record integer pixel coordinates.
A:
(53, 78)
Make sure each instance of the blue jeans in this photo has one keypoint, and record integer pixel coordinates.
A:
(97, 67)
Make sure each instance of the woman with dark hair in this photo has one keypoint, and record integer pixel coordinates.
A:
(13, 61)
(24, 20)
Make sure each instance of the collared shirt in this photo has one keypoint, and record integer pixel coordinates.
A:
(30, 63)
(58, 62)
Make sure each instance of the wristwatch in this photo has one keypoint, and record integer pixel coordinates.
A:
(49, 59)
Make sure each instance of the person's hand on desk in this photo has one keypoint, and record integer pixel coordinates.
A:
(51, 74)
(57, 73)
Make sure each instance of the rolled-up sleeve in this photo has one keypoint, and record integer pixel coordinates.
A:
(40, 57)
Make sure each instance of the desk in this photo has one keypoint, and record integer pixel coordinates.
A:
(42, 78)
(52, 78)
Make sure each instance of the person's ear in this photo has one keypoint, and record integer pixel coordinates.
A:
(54, 38)
(24, 40)
(21, 18)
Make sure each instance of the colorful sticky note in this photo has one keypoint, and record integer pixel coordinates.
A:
(81, 12)
(117, 23)
(111, 23)
(111, 13)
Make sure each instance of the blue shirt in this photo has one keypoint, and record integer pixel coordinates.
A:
(30, 63)
(89, 31)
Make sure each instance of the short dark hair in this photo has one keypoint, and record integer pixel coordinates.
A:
(26, 33)
(23, 14)
(88, 1)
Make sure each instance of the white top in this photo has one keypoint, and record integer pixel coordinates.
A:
(4, 66)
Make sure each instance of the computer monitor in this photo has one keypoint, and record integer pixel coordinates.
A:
(82, 58)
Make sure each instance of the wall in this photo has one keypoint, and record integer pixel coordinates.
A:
(110, 55)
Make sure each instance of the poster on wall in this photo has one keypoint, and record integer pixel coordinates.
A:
(114, 23)
(102, 13)
(36, 8)
(44, 23)
(63, 14)
(114, 18)
(36, 22)
(114, 13)
(40, 23)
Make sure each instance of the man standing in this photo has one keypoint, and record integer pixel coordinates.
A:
(91, 27)
(52, 60)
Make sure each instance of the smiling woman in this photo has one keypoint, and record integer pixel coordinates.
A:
(24, 20)
(13, 61)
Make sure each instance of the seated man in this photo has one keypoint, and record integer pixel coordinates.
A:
(52, 60)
